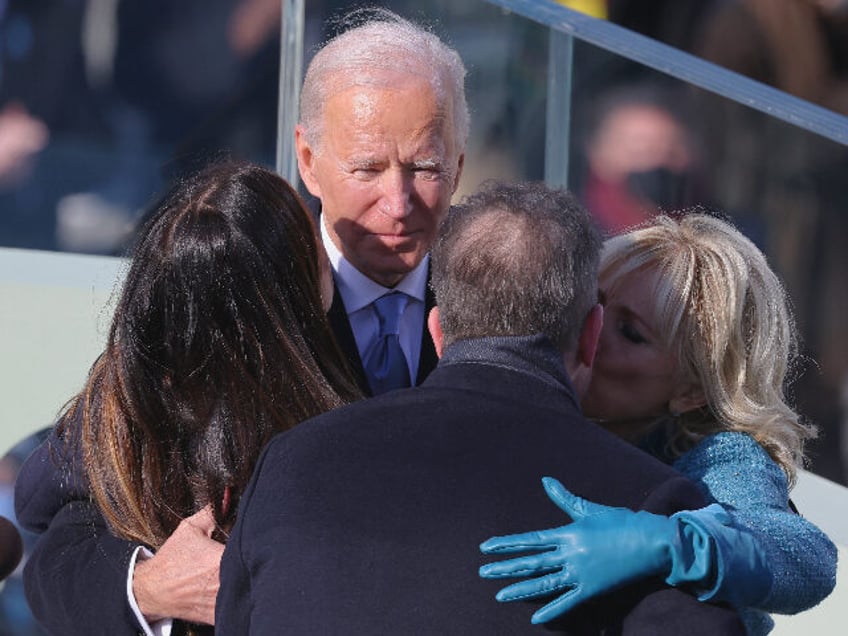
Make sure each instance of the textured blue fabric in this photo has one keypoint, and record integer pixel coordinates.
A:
(735, 471)
(385, 364)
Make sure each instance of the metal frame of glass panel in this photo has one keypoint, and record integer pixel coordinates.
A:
(291, 72)
(566, 24)
(680, 65)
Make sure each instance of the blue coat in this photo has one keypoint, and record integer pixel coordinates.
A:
(732, 469)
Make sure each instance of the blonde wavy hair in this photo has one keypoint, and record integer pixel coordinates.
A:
(724, 312)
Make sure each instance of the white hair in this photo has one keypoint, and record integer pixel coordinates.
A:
(377, 49)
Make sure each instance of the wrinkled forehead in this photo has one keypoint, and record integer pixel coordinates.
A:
(407, 113)
(403, 77)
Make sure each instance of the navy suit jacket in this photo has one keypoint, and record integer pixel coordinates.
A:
(367, 519)
(75, 579)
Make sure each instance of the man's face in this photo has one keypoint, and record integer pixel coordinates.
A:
(385, 169)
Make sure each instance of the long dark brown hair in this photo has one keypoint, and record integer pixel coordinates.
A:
(219, 341)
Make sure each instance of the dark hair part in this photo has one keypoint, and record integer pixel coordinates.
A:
(516, 259)
(218, 341)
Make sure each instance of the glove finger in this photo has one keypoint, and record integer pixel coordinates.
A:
(558, 607)
(536, 540)
(523, 566)
(534, 588)
(572, 505)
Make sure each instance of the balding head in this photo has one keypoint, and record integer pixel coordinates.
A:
(514, 260)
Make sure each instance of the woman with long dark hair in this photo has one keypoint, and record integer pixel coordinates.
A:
(219, 341)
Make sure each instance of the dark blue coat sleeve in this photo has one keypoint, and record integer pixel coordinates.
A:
(76, 577)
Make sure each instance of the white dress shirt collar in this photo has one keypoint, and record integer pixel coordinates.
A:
(358, 291)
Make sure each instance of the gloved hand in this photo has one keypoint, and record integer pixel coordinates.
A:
(606, 548)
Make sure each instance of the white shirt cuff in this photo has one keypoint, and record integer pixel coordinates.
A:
(159, 628)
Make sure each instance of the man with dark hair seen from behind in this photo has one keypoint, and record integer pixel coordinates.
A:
(366, 520)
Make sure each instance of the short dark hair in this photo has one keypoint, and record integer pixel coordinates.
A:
(516, 259)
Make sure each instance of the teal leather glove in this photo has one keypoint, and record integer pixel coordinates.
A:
(605, 548)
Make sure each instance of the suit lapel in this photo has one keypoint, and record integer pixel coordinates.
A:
(428, 360)
(347, 343)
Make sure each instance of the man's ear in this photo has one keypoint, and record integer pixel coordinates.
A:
(435, 330)
(587, 342)
(459, 166)
(688, 397)
(306, 161)
(227, 500)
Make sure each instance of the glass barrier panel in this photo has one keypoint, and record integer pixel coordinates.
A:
(643, 141)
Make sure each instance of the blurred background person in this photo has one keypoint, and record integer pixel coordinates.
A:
(640, 157)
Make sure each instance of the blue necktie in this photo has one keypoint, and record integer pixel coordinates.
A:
(385, 364)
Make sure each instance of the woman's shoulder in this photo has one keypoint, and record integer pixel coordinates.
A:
(727, 446)
(729, 463)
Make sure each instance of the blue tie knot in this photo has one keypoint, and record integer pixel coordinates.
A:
(389, 309)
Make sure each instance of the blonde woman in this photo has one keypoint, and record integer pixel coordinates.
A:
(697, 344)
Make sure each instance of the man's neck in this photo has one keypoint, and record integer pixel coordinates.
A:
(358, 289)
(532, 355)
